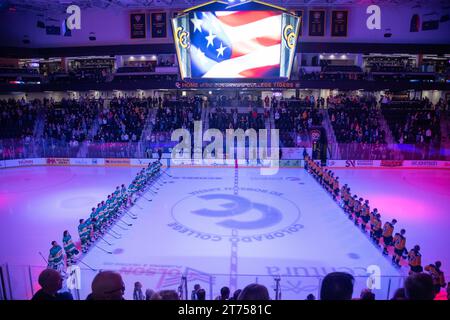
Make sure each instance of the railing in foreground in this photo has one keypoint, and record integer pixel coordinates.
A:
(21, 282)
(52, 148)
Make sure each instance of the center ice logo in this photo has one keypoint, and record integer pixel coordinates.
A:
(220, 213)
(236, 205)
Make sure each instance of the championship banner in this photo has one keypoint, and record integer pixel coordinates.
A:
(180, 29)
(316, 23)
(290, 25)
(137, 26)
(159, 25)
(339, 23)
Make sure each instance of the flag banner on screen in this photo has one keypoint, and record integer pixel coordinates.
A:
(236, 44)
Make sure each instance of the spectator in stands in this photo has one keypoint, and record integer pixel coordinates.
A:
(137, 293)
(148, 294)
(419, 286)
(107, 285)
(165, 295)
(236, 294)
(310, 297)
(195, 291)
(367, 294)
(201, 294)
(399, 294)
(337, 286)
(254, 292)
(224, 294)
(51, 282)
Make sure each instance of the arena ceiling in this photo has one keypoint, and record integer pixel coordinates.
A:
(60, 5)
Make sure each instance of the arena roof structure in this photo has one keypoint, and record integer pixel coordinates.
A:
(60, 5)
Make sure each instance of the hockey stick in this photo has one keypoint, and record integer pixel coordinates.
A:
(123, 221)
(121, 227)
(105, 241)
(131, 216)
(147, 198)
(164, 172)
(43, 258)
(109, 252)
(114, 235)
(88, 265)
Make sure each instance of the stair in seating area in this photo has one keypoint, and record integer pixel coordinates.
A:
(333, 146)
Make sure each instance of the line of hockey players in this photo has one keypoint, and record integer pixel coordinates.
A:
(358, 210)
(103, 217)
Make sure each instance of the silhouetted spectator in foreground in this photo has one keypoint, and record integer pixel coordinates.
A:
(310, 297)
(137, 293)
(337, 286)
(107, 285)
(224, 294)
(254, 291)
(419, 287)
(51, 282)
(367, 294)
(201, 294)
(399, 294)
(236, 294)
(148, 294)
(165, 295)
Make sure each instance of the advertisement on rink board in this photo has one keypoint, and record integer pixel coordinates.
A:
(23, 162)
(420, 163)
(117, 162)
(391, 163)
(87, 161)
(58, 161)
(214, 163)
(143, 162)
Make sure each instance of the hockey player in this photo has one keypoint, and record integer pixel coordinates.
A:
(388, 230)
(399, 247)
(56, 258)
(69, 248)
(415, 260)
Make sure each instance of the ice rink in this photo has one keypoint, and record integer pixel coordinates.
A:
(222, 226)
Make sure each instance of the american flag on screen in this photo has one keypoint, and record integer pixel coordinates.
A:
(235, 44)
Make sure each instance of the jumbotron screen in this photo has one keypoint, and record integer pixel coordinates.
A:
(235, 44)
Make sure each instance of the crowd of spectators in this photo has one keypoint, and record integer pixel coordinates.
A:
(294, 117)
(17, 118)
(355, 119)
(230, 118)
(123, 120)
(174, 114)
(70, 120)
(417, 123)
